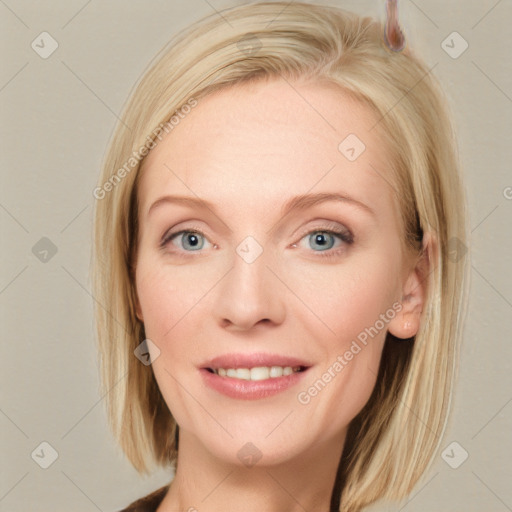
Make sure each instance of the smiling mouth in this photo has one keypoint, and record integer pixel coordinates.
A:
(257, 373)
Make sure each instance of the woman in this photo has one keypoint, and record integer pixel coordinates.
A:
(278, 300)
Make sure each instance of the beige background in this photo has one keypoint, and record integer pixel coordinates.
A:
(57, 115)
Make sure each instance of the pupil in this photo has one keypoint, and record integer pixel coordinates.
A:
(320, 239)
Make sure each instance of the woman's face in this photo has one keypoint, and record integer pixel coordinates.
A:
(270, 281)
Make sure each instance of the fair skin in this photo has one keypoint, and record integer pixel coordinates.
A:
(248, 151)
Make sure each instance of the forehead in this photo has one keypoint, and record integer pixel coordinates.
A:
(252, 144)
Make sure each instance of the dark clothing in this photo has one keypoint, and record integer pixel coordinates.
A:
(148, 503)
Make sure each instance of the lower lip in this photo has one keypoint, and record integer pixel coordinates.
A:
(250, 389)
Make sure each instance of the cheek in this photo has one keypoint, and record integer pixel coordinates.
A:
(154, 295)
(164, 303)
(174, 301)
(167, 294)
(348, 298)
(355, 302)
(168, 301)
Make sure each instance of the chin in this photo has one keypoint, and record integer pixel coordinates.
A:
(250, 451)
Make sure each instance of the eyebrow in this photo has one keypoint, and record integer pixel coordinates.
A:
(300, 202)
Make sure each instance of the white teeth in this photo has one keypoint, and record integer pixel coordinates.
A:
(242, 373)
(257, 373)
(260, 373)
(276, 371)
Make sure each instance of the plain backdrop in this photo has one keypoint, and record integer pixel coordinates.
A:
(58, 113)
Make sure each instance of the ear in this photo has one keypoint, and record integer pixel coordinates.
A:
(135, 295)
(406, 323)
(138, 309)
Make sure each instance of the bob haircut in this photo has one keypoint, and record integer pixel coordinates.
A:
(394, 438)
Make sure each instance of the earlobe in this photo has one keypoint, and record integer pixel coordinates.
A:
(138, 310)
(407, 321)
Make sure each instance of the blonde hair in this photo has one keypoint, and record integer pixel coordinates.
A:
(393, 439)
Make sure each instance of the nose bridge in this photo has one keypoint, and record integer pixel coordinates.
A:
(250, 292)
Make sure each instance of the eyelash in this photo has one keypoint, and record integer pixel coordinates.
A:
(344, 235)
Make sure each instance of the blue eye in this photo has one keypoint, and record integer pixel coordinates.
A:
(321, 241)
(328, 243)
(191, 240)
(324, 240)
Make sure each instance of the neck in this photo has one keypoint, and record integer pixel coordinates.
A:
(205, 483)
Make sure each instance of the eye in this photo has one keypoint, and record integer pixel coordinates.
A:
(323, 242)
(327, 242)
(188, 240)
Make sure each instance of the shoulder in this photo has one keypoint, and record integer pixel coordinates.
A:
(148, 503)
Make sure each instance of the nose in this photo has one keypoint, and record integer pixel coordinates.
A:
(249, 294)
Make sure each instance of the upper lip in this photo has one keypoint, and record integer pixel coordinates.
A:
(252, 361)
